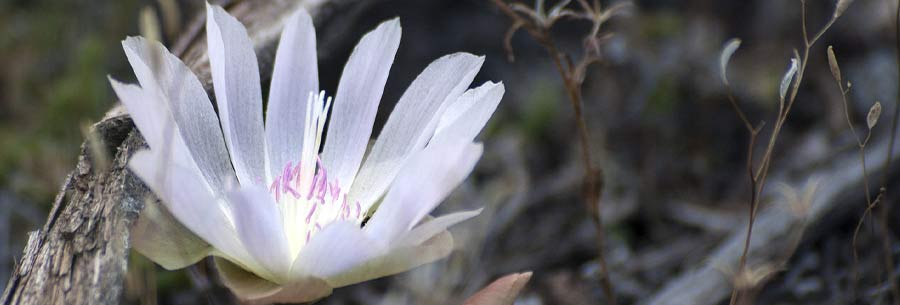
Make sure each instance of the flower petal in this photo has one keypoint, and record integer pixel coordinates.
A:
(190, 200)
(468, 116)
(259, 225)
(294, 78)
(356, 101)
(339, 247)
(430, 228)
(342, 254)
(252, 289)
(425, 180)
(175, 88)
(397, 260)
(160, 237)
(150, 119)
(413, 122)
(235, 75)
(503, 291)
(154, 122)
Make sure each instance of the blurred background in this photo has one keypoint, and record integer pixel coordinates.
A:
(672, 150)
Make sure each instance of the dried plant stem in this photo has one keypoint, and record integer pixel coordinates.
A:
(885, 208)
(870, 204)
(758, 176)
(572, 77)
(592, 185)
(880, 199)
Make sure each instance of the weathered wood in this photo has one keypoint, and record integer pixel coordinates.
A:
(80, 255)
(777, 230)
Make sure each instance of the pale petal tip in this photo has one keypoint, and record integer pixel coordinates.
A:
(214, 10)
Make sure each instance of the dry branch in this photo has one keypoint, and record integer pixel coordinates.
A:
(80, 255)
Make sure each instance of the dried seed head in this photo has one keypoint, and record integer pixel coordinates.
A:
(874, 113)
(841, 7)
(752, 277)
(833, 64)
(731, 46)
(799, 202)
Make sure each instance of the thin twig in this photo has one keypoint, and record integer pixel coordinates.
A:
(759, 175)
(537, 25)
(885, 208)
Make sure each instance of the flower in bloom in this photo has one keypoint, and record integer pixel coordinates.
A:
(290, 209)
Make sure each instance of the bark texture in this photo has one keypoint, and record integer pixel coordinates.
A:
(80, 256)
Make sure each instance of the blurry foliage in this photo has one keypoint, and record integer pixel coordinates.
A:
(540, 108)
(55, 57)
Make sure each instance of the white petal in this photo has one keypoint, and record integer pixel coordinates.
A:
(252, 289)
(177, 91)
(149, 118)
(343, 255)
(154, 122)
(425, 180)
(413, 122)
(259, 225)
(338, 247)
(433, 227)
(356, 101)
(294, 78)
(235, 75)
(189, 199)
(398, 260)
(468, 116)
(160, 237)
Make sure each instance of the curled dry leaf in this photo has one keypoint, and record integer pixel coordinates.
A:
(874, 113)
(833, 64)
(503, 291)
(730, 47)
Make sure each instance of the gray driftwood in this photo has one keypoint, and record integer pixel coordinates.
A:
(777, 230)
(80, 255)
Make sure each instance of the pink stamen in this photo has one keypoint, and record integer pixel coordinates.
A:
(343, 207)
(289, 189)
(323, 188)
(311, 212)
(275, 188)
(286, 174)
(297, 176)
(312, 187)
(335, 190)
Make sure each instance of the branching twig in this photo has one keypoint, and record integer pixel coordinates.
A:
(537, 22)
(885, 208)
(790, 84)
(861, 143)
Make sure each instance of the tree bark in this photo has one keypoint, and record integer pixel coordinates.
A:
(80, 256)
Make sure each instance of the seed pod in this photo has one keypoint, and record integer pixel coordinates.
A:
(841, 7)
(874, 113)
(833, 64)
(788, 76)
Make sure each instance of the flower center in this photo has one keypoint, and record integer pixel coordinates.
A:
(308, 199)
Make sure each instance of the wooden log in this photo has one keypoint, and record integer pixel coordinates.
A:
(80, 256)
(777, 230)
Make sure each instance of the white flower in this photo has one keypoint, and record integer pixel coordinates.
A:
(285, 222)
